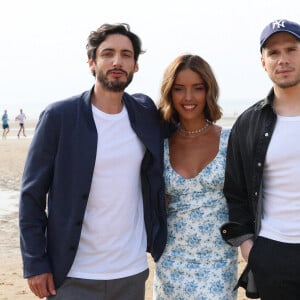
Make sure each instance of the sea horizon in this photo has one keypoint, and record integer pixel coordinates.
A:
(32, 110)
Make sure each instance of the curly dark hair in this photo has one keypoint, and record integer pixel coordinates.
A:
(97, 37)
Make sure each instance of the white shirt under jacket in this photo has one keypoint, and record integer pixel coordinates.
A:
(113, 239)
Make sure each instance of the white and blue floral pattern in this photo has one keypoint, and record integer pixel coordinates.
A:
(196, 264)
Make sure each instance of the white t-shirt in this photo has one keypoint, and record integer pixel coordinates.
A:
(281, 188)
(21, 118)
(113, 239)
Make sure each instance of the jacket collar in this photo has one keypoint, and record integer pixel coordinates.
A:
(87, 97)
(268, 101)
(147, 129)
(144, 123)
(86, 108)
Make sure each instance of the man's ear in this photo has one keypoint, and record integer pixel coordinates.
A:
(263, 62)
(136, 68)
(91, 65)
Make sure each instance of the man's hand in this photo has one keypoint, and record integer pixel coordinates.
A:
(245, 249)
(42, 285)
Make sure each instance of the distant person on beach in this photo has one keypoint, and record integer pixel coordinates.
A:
(262, 174)
(196, 263)
(92, 195)
(5, 124)
(21, 119)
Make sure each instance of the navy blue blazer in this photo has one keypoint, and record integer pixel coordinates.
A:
(57, 179)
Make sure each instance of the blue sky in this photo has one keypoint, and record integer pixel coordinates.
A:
(43, 57)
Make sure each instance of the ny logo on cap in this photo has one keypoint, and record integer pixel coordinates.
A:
(278, 24)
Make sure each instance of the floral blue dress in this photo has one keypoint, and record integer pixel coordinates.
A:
(196, 264)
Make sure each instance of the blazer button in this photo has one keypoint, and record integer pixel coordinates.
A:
(72, 248)
(79, 223)
(224, 231)
(85, 196)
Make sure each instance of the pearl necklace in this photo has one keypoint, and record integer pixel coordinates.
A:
(193, 132)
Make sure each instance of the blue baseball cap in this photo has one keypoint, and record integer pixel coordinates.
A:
(279, 26)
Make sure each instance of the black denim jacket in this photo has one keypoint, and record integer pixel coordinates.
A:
(247, 147)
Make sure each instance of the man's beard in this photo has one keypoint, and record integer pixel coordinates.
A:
(116, 85)
(285, 85)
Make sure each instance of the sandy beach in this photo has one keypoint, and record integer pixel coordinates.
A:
(12, 285)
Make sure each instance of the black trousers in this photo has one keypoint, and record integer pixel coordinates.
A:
(276, 269)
